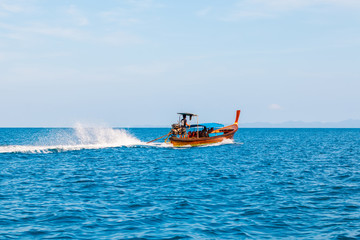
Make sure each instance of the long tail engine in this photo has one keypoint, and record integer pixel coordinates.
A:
(177, 130)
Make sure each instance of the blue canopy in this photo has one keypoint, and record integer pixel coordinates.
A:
(208, 125)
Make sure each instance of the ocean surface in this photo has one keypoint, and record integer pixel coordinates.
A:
(103, 183)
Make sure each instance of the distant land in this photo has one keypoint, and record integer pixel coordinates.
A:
(351, 123)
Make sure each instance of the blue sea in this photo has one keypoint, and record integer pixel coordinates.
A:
(104, 183)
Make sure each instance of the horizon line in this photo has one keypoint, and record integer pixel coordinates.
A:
(286, 124)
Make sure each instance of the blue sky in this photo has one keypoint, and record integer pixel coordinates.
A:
(129, 63)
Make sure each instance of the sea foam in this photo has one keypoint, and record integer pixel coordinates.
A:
(82, 137)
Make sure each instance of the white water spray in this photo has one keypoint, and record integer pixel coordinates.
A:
(83, 138)
(106, 137)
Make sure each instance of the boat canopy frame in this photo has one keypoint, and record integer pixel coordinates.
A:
(198, 126)
(188, 114)
(190, 118)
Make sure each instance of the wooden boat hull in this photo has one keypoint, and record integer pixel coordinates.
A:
(228, 131)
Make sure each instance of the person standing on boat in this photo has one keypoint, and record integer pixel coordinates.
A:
(183, 122)
(183, 125)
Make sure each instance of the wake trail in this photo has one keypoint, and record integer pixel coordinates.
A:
(82, 138)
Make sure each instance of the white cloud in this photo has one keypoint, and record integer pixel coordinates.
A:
(121, 38)
(9, 56)
(121, 16)
(41, 29)
(140, 3)
(12, 8)
(58, 32)
(247, 14)
(203, 12)
(8, 8)
(131, 12)
(274, 106)
(79, 18)
(148, 69)
(272, 8)
(286, 5)
(353, 3)
(32, 32)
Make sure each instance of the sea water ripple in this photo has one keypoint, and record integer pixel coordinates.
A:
(268, 183)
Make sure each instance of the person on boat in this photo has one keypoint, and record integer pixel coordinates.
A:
(206, 132)
(190, 134)
(183, 125)
(184, 122)
(201, 133)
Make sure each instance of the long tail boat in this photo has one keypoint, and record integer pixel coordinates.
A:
(200, 134)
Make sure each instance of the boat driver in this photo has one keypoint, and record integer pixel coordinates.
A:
(183, 125)
(184, 122)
